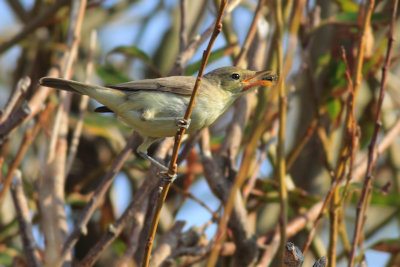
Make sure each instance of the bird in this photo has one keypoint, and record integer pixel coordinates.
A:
(156, 107)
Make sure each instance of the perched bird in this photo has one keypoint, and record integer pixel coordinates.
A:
(154, 107)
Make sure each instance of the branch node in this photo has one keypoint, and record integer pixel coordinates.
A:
(219, 27)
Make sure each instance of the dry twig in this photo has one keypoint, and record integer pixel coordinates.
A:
(363, 203)
(24, 221)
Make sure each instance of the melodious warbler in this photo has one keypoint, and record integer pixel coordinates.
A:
(155, 107)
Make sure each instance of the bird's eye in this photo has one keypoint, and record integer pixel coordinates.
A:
(235, 76)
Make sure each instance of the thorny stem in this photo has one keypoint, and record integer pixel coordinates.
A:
(166, 183)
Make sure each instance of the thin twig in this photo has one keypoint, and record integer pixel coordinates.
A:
(138, 223)
(346, 158)
(51, 195)
(183, 36)
(363, 204)
(35, 104)
(240, 178)
(293, 227)
(347, 153)
(256, 168)
(194, 44)
(179, 135)
(29, 136)
(188, 194)
(33, 25)
(82, 106)
(19, 10)
(319, 217)
(281, 163)
(383, 145)
(22, 87)
(14, 119)
(167, 244)
(96, 199)
(293, 33)
(24, 221)
(141, 195)
(250, 34)
(357, 75)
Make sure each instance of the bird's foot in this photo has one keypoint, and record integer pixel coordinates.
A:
(167, 177)
(182, 123)
(154, 161)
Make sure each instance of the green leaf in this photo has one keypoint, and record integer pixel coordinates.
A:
(380, 17)
(347, 17)
(333, 106)
(390, 199)
(347, 5)
(119, 247)
(131, 51)
(367, 129)
(376, 58)
(111, 75)
(389, 245)
(8, 254)
(352, 17)
(5, 259)
(336, 77)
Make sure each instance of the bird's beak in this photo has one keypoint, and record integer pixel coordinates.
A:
(261, 78)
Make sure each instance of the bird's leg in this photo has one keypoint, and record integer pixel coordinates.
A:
(142, 151)
(154, 161)
(148, 115)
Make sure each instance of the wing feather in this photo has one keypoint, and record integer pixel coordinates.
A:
(180, 85)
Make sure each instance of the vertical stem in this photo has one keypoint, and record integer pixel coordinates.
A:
(24, 221)
(281, 163)
(333, 227)
(51, 195)
(363, 202)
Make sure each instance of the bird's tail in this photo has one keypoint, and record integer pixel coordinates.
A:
(67, 85)
(107, 96)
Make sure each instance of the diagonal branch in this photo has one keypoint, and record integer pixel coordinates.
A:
(179, 135)
(33, 25)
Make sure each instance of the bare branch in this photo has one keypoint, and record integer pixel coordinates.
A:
(363, 204)
(33, 25)
(24, 221)
(22, 87)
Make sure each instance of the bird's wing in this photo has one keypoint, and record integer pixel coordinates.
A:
(180, 85)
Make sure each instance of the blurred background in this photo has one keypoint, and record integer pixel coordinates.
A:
(123, 40)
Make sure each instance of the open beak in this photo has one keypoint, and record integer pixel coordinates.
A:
(261, 78)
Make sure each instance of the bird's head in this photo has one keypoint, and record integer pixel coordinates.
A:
(239, 81)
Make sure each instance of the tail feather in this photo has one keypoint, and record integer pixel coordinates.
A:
(59, 84)
(109, 97)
